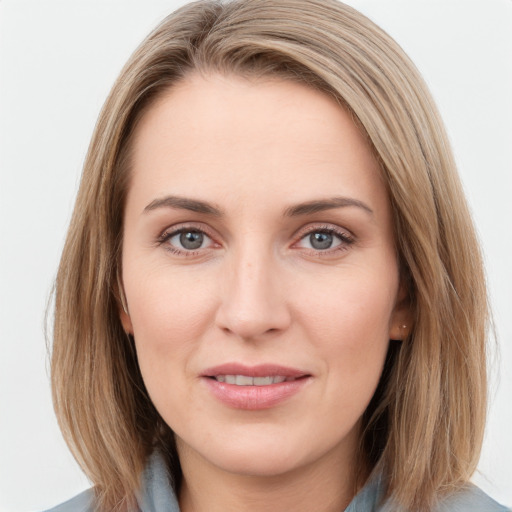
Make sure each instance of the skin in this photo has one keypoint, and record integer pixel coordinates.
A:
(257, 290)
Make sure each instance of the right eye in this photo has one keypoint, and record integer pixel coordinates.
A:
(186, 240)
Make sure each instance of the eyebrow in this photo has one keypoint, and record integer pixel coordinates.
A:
(307, 208)
(325, 204)
(183, 203)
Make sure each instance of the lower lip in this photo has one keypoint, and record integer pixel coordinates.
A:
(255, 397)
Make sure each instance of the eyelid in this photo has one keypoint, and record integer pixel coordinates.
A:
(345, 235)
(323, 226)
(181, 227)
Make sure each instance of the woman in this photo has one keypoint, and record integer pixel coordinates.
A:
(271, 295)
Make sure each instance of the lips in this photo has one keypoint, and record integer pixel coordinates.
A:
(246, 380)
(254, 387)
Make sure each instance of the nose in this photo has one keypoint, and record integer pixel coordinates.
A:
(253, 299)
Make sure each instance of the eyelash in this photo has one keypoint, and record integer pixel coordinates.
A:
(346, 240)
(167, 235)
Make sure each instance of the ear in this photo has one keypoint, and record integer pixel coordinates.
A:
(122, 305)
(400, 324)
(126, 321)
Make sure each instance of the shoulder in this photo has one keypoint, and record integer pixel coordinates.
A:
(155, 494)
(470, 499)
(83, 502)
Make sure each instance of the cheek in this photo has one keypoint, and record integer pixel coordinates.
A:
(355, 310)
(349, 324)
(169, 312)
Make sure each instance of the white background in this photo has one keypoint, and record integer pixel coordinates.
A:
(58, 60)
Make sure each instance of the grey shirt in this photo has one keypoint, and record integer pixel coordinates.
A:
(157, 496)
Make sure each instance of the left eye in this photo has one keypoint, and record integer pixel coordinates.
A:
(189, 240)
(320, 240)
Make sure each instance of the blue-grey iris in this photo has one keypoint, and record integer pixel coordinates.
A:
(191, 239)
(321, 240)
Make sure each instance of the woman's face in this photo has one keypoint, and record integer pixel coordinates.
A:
(260, 272)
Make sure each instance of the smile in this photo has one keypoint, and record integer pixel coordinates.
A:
(264, 386)
(246, 380)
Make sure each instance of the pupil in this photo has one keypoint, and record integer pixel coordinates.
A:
(320, 240)
(191, 240)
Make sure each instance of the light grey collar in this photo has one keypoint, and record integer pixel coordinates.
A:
(157, 494)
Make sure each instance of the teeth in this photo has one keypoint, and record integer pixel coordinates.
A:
(244, 380)
(262, 381)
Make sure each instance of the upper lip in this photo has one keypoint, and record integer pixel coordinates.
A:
(260, 370)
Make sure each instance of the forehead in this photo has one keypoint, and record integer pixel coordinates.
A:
(244, 109)
(217, 132)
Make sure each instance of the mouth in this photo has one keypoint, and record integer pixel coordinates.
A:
(247, 380)
(254, 387)
(259, 375)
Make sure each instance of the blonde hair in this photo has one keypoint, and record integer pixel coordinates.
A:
(424, 427)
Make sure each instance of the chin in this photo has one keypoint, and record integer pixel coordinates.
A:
(248, 453)
(258, 463)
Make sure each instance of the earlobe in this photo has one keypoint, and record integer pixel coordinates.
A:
(124, 315)
(126, 321)
(398, 331)
(401, 321)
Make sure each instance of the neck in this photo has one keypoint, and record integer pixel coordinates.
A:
(327, 485)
